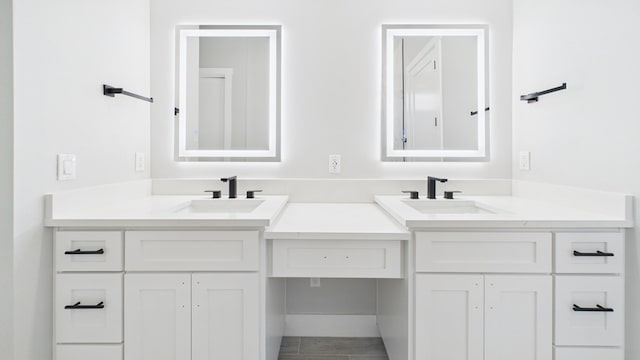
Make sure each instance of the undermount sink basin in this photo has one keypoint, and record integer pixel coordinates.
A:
(428, 206)
(225, 205)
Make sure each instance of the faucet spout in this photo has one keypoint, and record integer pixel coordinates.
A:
(431, 186)
(233, 186)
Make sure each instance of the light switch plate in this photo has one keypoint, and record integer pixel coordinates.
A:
(139, 161)
(66, 166)
(525, 160)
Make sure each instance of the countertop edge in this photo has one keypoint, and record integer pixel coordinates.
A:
(319, 235)
(156, 223)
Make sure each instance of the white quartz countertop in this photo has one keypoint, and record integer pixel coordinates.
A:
(332, 221)
(531, 205)
(500, 212)
(160, 211)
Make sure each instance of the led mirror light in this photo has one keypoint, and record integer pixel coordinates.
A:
(271, 152)
(397, 99)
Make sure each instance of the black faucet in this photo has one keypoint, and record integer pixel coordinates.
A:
(233, 186)
(431, 186)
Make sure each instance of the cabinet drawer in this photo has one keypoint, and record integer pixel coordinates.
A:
(578, 326)
(88, 251)
(97, 315)
(589, 354)
(337, 258)
(191, 250)
(93, 352)
(516, 252)
(589, 253)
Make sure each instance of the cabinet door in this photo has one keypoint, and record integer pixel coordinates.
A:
(449, 311)
(518, 317)
(157, 318)
(226, 316)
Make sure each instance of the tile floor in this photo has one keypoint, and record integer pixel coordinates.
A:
(332, 348)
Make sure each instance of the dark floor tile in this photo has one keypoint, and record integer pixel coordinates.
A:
(342, 346)
(367, 357)
(290, 345)
(312, 357)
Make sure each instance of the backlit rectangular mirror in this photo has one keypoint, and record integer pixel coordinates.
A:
(435, 93)
(228, 93)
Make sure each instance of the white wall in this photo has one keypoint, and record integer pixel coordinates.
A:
(63, 52)
(331, 86)
(589, 134)
(6, 180)
(333, 297)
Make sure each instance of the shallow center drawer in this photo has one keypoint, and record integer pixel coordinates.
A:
(517, 252)
(337, 258)
(191, 250)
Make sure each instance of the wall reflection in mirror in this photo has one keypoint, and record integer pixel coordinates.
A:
(434, 85)
(228, 92)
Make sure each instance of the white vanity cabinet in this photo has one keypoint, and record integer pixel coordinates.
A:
(206, 308)
(479, 317)
(589, 295)
(538, 295)
(199, 316)
(483, 314)
(158, 295)
(88, 306)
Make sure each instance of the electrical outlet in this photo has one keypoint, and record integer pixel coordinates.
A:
(334, 164)
(139, 161)
(66, 166)
(314, 282)
(525, 160)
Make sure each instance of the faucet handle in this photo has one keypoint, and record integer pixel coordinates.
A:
(449, 194)
(250, 193)
(437, 179)
(215, 194)
(412, 194)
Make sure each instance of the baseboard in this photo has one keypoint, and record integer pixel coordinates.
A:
(331, 325)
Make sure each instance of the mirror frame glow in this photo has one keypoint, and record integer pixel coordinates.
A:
(388, 34)
(272, 33)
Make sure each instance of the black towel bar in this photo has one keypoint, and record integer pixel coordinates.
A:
(111, 91)
(533, 97)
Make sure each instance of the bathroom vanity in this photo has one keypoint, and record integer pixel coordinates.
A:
(157, 277)
(484, 284)
(147, 276)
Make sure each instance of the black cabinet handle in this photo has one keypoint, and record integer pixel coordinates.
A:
(78, 305)
(84, 252)
(597, 253)
(598, 308)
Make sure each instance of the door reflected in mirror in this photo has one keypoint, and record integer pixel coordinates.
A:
(228, 93)
(434, 83)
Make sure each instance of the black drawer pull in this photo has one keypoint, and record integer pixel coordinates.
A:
(84, 252)
(77, 305)
(598, 308)
(597, 253)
